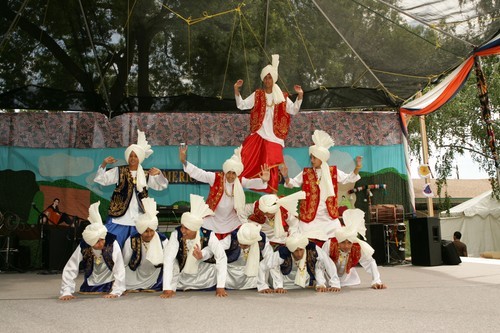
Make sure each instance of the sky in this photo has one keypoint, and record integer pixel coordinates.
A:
(467, 169)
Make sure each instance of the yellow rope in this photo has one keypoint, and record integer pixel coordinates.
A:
(228, 55)
(244, 52)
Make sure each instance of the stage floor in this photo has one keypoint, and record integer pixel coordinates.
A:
(461, 298)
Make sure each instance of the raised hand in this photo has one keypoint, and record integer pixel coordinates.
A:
(183, 154)
(154, 171)
(265, 174)
(108, 160)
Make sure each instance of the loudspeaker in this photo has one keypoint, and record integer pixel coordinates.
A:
(375, 236)
(58, 246)
(425, 239)
(449, 253)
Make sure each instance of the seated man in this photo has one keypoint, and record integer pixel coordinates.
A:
(143, 252)
(347, 250)
(277, 216)
(302, 263)
(52, 215)
(188, 248)
(247, 254)
(101, 259)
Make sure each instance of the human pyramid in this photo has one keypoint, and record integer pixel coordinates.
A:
(272, 245)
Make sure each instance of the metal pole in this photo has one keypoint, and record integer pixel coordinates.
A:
(425, 157)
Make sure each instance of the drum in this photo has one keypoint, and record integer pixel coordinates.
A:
(386, 214)
(395, 241)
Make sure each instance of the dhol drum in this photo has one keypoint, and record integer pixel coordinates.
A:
(395, 241)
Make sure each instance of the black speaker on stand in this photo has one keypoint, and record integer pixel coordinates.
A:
(57, 247)
(375, 236)
(425, 239)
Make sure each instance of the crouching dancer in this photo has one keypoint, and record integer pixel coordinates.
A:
(347, 250)
(302, 263)
(248, 252)
(143, 252)
(189, 246)
(102, 261)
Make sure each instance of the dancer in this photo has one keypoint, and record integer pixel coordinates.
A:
(347, 250)
(132, 184)
(101, 260)
(319, 211)
(269, 124)
(226, 197)
(143, 252)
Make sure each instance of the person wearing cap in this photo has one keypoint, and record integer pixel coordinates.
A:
(269, 123)
(301, 263)
(277, 216)
(346, 250)
(132, 184)
(248, 252)
(226, 197)
(319, 212)
(190, 253)
(101, 260)
(143, 252)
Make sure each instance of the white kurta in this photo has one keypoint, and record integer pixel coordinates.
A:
(351, 279)
(322, 223)
(146, 274)
(268, 225)
(100, 274)
(111, 176)
(323, 265)
(209, 275)
(225, 219)
(236, 277)
(266, 131)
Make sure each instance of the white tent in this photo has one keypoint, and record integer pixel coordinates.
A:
(478, 219)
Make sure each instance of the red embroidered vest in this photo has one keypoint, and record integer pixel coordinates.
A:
(259, 217)
(281, 119)
(354, 255)
(309, 206)
(216, 191)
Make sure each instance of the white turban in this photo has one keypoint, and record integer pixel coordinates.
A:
(234, 164)
(270, 203)
(273, 70)
(143, 150)
(249, 234)
(354, 220)
(193, 221)
(95, 230)
(323, 142)
(146, 221)
(293, 243)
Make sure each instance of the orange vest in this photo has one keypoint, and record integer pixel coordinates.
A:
(309, 206)
(281, 119)
(354, 255)
(216, 191)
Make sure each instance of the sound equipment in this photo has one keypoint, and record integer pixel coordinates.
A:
(9, 252)
(375, 236)
(449, 253)
(395, 241)
(58, 246)
(425, 239)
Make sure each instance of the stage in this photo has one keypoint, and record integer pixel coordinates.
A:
(462, 298)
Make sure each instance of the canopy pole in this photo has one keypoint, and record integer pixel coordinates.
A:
(486, 113)
(425, 157)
